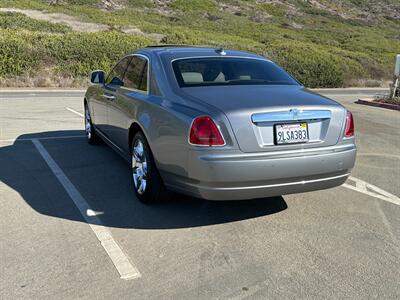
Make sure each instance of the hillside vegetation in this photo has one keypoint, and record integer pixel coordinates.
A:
(322, 43)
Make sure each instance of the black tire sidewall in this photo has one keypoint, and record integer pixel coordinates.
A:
(93, 138)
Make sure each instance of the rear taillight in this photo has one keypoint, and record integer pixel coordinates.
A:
(204, 132)
(349, 131)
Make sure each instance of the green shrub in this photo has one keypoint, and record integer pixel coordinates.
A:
(30, 4)
(194, 37)
(80, 53)
(311, 66)
(71, 54)
(17, 56)
(11, 20)
(81, 2)
(190, 5)
(140, 3)
(273, 9)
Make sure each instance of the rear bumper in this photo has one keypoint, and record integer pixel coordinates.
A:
(238, 176)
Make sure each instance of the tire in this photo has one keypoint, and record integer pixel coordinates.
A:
(90, 130)
(147, 182)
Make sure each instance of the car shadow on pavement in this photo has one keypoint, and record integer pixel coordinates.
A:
(103, 179)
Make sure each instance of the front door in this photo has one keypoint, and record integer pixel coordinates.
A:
(113, 82)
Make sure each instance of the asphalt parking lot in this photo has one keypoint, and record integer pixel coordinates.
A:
(70, 223)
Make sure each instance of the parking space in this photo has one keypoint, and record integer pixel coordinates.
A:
(338, 243)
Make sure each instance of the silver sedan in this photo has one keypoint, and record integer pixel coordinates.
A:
(217, 124)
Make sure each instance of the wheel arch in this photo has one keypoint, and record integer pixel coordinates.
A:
(133, 129)
(85, 102)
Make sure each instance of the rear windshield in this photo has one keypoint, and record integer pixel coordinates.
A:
(229, 71)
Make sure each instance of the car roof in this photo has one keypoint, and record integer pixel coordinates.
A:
(182, 51)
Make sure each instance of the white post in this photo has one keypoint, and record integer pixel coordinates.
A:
(396, 76)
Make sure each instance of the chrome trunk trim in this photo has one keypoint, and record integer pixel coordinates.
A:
(291, 115)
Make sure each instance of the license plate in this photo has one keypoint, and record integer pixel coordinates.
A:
(293, 133)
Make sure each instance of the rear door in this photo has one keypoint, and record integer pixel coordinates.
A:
(133, 89)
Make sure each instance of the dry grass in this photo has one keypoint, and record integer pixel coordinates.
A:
(45, 78)
(362, 82)
(387, 99)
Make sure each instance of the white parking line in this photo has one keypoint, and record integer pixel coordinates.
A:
(43, 138)
(121, 262)
(74, 111)
(371, 190)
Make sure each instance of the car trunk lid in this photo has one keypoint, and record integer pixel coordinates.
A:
(254, 112)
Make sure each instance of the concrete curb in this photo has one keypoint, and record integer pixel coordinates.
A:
(80, 90)
(39, 90)
(378, 104)
(351, 89)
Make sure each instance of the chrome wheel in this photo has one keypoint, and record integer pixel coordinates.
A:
(139, 167)
(88, 124)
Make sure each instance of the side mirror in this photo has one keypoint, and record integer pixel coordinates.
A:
(397, 66)
(98, 77)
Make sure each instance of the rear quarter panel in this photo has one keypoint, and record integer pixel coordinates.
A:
(166, 126)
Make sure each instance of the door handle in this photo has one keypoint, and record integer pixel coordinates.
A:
(109, 97)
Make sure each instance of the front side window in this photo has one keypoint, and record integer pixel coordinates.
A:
(136, 74)
(117, 74)
(229, 71)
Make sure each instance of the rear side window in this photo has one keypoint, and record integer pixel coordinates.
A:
(136, 74)
(229, 71)
(117, 74)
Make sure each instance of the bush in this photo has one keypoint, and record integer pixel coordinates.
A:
(79, 53)
(212, 39)
(192, 5)
(17, 56)
(273, 9)
(313, 66)
(11, 20)
(71, 54)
